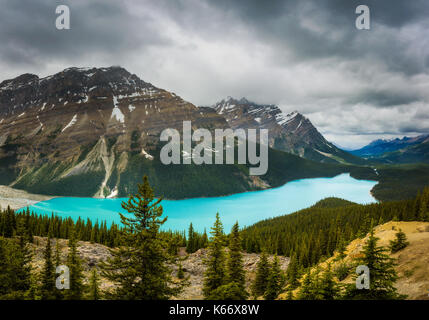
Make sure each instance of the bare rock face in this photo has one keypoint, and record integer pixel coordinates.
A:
(292, 132)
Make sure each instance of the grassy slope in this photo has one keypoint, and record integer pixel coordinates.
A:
(412, 264)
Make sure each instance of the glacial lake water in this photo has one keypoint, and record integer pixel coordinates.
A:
(246, 208)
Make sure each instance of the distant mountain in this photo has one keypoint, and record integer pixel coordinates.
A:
(405, 150)
(293, 132)
(95, 132)
(380, 146)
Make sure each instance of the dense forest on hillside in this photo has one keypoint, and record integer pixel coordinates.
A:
(318, 231)
(307, 236)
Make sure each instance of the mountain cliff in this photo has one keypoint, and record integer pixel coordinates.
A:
(292, 132)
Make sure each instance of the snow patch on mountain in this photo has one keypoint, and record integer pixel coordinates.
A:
(116, 112)
(71, 123)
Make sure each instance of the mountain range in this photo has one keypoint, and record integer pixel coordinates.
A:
(95, 132)
(405, 150)
(292, 132)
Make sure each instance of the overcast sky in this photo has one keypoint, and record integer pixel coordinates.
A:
(354, 85)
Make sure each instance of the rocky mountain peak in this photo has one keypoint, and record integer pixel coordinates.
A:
(72, 85)
(291, 132)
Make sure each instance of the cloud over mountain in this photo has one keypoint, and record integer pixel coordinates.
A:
(308, 56)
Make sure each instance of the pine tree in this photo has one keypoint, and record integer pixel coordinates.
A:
(275, 281)
(140, 267)
(5, 284)
(94, 286)
(75, 267)
(215, 275)
(307, 288)
(235, 270)
(204, 239)
(48, 273)
(328, 288)
(59, 294)
(259, 285)
(15, 270)
(342, 247)
(382, 273)
(399, 243)
(191, 245)
(57, 253)
(292, 272)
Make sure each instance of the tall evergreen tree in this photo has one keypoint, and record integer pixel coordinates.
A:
(292, 272)
(235, 269)
(307, 288)
(59, 294)
(259, 285)
(5, 284)
(215, 274)
(57, 253)
(14, 269)
(94, 286)
(382, 273)
(76, 273)
(342, 246)
(328, 288)
(139, 267)
(276, 280)
(192, 241)
(399, 243)
(48, 273)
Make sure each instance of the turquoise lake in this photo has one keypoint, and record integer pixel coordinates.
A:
(246, 208)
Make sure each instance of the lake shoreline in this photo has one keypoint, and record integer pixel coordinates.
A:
(17, 199)
(246, 207)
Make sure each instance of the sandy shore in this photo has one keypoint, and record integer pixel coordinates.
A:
(18, 198)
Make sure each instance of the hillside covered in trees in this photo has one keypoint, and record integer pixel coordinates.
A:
(139, 248)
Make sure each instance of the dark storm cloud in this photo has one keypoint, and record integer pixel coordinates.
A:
(29, 36)
(335, 35)
(384, 98)
(304, 55)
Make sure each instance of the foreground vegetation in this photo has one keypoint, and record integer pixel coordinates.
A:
(143, 257)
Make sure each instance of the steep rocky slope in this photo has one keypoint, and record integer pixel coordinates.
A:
(293, 132)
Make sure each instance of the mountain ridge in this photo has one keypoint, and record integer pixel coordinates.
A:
(290, 132)
(405, 150)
